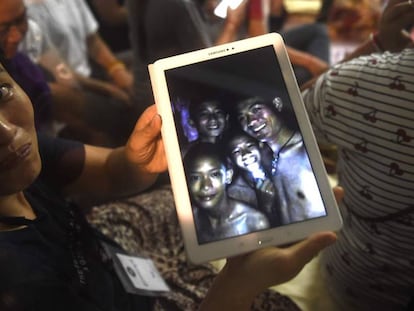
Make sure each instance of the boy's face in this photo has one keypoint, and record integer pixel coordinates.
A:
(258, 120)
(207, 178)
(211, 119)
(244, 152)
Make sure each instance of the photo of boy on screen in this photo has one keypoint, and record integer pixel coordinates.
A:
(216, 215)
(245, 93)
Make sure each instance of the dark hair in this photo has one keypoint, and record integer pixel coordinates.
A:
(259, 100)
(2, 56)
(285, 114)
(194, 106)
(234, 132)
(265, 152)
(210, 150)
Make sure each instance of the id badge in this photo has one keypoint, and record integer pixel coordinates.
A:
(138, 274)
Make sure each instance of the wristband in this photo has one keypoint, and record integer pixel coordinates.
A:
(115, 66)
(376, 42)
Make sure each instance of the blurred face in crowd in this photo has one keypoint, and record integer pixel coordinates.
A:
(211, 120)
(258, 120)
(13, 25)
(19, 158)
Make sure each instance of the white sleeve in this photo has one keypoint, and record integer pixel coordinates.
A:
(35, 43)
(90, 22)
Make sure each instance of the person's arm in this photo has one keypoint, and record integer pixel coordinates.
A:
(51, 60)
(103, 88)
(110, 173)
(257, 27)
(63, 74)
(111, 11)
(258, 17)
(116, 70)
(246, 276)
(315, 65)
(397, 15)
(232, 23)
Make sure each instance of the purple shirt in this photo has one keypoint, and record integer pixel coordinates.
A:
(33, 81)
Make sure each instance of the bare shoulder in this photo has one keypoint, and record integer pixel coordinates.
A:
(255, 219)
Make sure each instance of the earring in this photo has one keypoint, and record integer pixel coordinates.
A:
(278, 103)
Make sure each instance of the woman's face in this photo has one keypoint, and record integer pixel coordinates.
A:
(258, 120)
(19, 158)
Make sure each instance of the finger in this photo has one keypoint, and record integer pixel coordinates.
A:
(398, 9)
(306, 250)
(406, 4)
(339, 193)
(146, 135)
(153, 129)
(146, 117)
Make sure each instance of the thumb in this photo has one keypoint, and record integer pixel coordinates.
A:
(339, 193)
(306, 250)
(153, 128)
(146, 134)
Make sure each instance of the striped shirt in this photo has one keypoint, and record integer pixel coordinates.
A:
(366, 108)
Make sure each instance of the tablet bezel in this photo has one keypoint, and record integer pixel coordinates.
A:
(198, 253)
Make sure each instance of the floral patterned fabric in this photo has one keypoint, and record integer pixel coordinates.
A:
(147, 225)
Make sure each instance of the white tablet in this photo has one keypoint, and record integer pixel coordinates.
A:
(244, 164)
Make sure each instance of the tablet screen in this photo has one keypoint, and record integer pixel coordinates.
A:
(246, 164)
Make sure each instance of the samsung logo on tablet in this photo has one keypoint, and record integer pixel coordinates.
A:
(218, 51)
